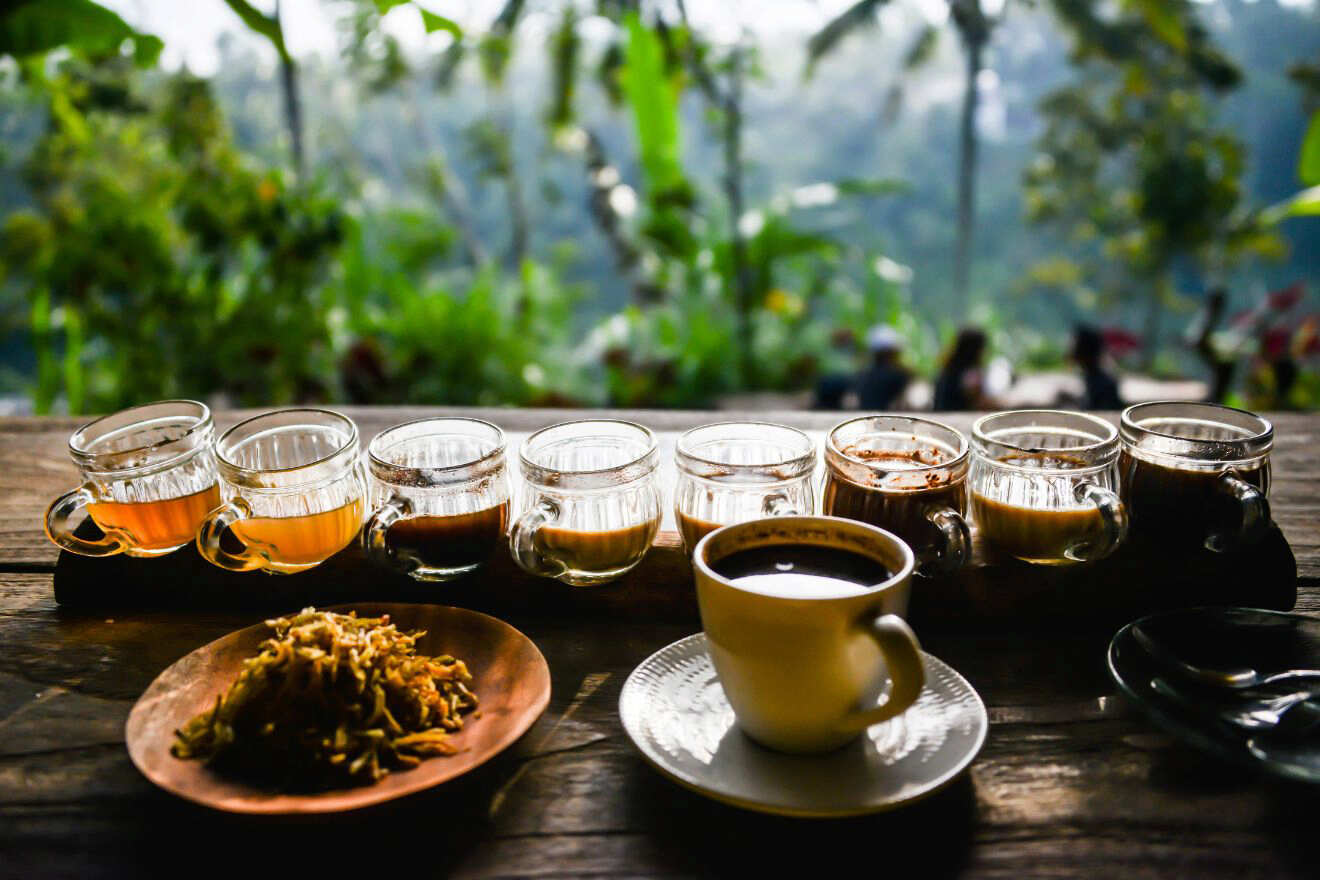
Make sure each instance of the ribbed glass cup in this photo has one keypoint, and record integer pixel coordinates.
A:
(148, 480)
(439, 495)
(906, 475)
(733, 472)
(591, 506)
(294, 491)
(1196, 474)
(1045, 485)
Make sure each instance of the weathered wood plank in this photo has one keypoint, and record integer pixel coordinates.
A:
(1072, 782)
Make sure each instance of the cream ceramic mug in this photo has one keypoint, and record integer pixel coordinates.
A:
(804, 675)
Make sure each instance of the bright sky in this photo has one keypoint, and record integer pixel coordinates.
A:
(190, 27)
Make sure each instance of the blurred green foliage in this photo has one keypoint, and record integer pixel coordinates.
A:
(155, 258)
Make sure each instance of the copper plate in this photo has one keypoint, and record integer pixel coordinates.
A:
(510, 677)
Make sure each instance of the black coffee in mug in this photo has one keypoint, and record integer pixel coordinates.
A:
(802, 571)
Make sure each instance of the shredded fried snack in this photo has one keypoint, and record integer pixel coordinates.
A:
(331, 699)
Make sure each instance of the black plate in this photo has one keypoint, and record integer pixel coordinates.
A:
(1221, 639)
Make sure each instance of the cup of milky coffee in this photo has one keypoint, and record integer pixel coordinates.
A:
(1045, 486)
(804, 622)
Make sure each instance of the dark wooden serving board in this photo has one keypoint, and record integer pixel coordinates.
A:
(993, 591)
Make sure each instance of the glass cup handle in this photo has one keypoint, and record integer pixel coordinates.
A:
(214, 526)
(522, 540)
(377, 527)
(1112, 513)
(907, 674)
(957, 549)
(1255, 513)
(778, 504)
(60, 531)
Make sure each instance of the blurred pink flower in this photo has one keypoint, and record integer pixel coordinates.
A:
(1274, 342)
(1285, 298)
(1119, 341)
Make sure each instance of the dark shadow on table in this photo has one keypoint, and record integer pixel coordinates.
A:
(424, 835)
(706, 838)
(1290, 806)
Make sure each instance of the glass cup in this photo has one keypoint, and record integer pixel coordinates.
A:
(294, 489)
(148, 480)
(439, 495)
(905, 475)
(1045, 485)
(737, 471)
(1196, 474)
(592, 505)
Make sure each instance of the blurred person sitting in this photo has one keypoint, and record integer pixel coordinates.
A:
(961, 382)
(836, 384)
(1088, 350)
(885, 379)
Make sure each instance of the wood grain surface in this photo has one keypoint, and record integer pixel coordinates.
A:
(1071, 783)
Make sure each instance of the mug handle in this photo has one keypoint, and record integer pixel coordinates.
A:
(1112, 513)
(907, 674)
(957, 540)
(777, 504)
(376, 528)
(60, 530)
(1255, 509)
(214, 526)
(522, 539)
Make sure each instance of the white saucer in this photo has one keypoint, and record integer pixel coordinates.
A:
(676, 713)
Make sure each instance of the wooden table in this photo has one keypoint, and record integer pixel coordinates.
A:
(1071, 783)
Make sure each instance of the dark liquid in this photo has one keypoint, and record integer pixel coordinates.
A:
(900, 509)
(450, 542)
(1181, 507)
(597, 551)
(801, 571)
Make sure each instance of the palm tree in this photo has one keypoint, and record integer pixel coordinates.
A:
(974, 25)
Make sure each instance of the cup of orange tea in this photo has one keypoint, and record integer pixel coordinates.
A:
(149, 479)
(294, 491)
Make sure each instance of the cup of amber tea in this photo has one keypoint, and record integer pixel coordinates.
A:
(1196, 474)
(294, 492)
(439, 497)
(591, 505)
(148, 480)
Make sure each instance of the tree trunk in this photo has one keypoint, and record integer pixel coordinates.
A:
(1151, 331)
(520, 236)
(733, 191)
(292, 103)
(962, 263)
(453, 195)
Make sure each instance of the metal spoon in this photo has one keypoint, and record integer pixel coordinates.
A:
(1235, 679)
(1291, 714)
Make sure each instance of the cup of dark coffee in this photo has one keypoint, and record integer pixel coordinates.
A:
(905, 475)
(1196, 474)
(804, 621)
(439, 497)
